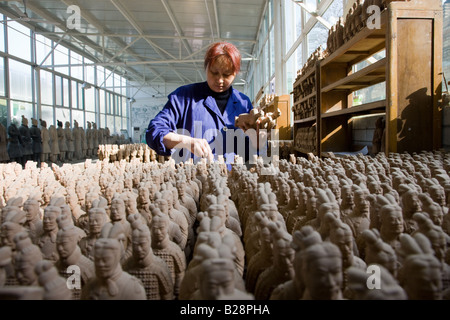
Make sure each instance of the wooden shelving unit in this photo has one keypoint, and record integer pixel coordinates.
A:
(411, 34)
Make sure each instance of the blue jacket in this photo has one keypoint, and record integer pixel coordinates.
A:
(192, 111)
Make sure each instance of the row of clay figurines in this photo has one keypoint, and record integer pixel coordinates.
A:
(53, 144)
(290, 262)
(156, 258)
(398, 228)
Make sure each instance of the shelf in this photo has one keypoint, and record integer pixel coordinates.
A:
(303, 77)
(305, 98)
(364, 44)
(364, 108)
(310, 119)
(304, 151)
(370, 75)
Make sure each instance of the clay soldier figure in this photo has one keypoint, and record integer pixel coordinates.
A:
(282, 268)
(47, 241)
(15, 143)
(168, 250)
(217, 281)
(45, 138)
(76, 134)
(33, 224)
(69, 255)
(110, 281)
(35, 134)
(62, 142)
(392, 225)
(84, 145)
(410, 204)
(54, 154)
(97, 219)
(55, 286)
(28, 255)
(119, 226)
(144, 265)
(69, 141)
(321, 271)
(4, 157)
(420, 275)
(27, 143)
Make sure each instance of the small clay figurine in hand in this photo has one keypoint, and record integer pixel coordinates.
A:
(111, 282)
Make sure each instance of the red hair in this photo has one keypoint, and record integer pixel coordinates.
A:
(224, 50)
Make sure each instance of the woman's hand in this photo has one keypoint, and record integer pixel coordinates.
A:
(199, 147)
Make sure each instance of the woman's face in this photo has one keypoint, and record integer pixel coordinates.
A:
(219, 77)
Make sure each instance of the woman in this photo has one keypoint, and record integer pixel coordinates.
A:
(198, 116)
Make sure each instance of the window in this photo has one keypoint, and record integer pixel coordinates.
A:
(62, 115)
(46, 87)
(89, 99)
(100, 76)
(79, 117)
(47, 115)
(43, 48)
(110, 123)
(66, 93)
(61, 56)
(58, 91)
(317, 37)
(90, 117)
(2, 77)
(19, 42)
(3, 112)
(334, 12)
(74, 95)
(2, 34)
(102, 101)
(20, 81)
(76, 71)
(117, 84)
(89, 72)
(19, 109)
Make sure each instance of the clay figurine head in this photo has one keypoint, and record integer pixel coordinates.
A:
(51, 213)
(75, 123)
(118, 212)
(437, 193)
(159, 227)
(141, 238)
(31, 208)
(216, 278)
(391, 220)
(34, 122)
(322, 271)
(107, 253)
(67, 241)
(24, 121)
(97, 219)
